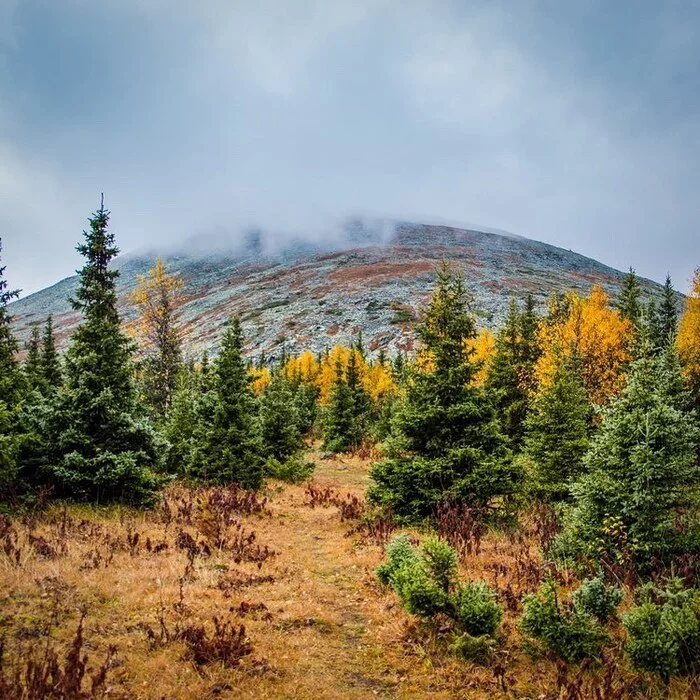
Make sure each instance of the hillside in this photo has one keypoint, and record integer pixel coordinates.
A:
(316, 296)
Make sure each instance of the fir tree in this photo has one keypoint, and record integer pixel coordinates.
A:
(511, 372)
(9, 380)
(278, 419)
(100, 447)
(229, 447)
(668, 313)
(49, 360)
(445, 442)
(10, 390)
(305, 400)
(339, 415)
(641, 490)
(629, 303)
(32, 362)
(557, 433)
(181, 424)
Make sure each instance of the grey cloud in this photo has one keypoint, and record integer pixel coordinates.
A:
(211, 119)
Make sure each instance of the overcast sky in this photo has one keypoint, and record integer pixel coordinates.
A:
(575, 123)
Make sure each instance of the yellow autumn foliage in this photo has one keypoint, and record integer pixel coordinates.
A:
(376, 378)
(157, 297)
(482, 347)
(261, 377)
(688, 339)
(600, 337)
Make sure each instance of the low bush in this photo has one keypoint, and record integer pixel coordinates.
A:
(477, 609)
(597, 599)
(560, 628)
(293, 470)
(426, 582)
(664, 631)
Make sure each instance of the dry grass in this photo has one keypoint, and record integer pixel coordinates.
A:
(315, 622)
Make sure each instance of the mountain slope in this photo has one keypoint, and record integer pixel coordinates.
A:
(316, 296)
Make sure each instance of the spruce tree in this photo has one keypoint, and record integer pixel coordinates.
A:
(181, 425)
(49, 359)
(230, 447)
(445, 442)
(557, 433)
(668, 313)
(511, 372)
(10, 390)
(305, 400)
(32, 362)
(278, 419)
(339, 417)
(640, 492)
(101, 449)
(629, 303)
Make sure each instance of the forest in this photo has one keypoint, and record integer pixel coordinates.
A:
(513, 513)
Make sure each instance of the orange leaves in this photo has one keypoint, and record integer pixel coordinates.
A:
(597, 335)
(688, 340)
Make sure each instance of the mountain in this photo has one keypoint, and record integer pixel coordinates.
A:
(374, 278)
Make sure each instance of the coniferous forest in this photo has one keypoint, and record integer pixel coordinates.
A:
(513, 513)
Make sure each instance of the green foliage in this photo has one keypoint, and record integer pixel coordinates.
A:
(278, 420)
(227, 442)
(294, 470)
(629, 303)
(49, 359)
(561, 628)
(445, 441)
(420, 594)
(99, 446)
(597, 599)
(641, 488)
(32, 362)
(664, 631)
(511, 373)
(440, 561)
(557, 434)
(478, 650)
(399, 553)
(477, 609)
(346, 418)
(426, 583)
(305, 401)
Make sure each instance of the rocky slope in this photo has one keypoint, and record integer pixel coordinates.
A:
(316, 296)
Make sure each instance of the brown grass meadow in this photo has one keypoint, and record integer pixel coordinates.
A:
(219, 594)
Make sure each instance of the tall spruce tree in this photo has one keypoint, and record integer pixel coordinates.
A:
(10, 390)
(630, 301)
(445, 442)
(279, 422)
(230, 447)
(339, 416)
(557, 433)
(32, 362)
(9, 370)
(641, 490)
(668, 314)
(101, 449)
(49, 359)
(510, 377)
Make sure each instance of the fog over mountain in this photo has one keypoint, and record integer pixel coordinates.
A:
(368, 275)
